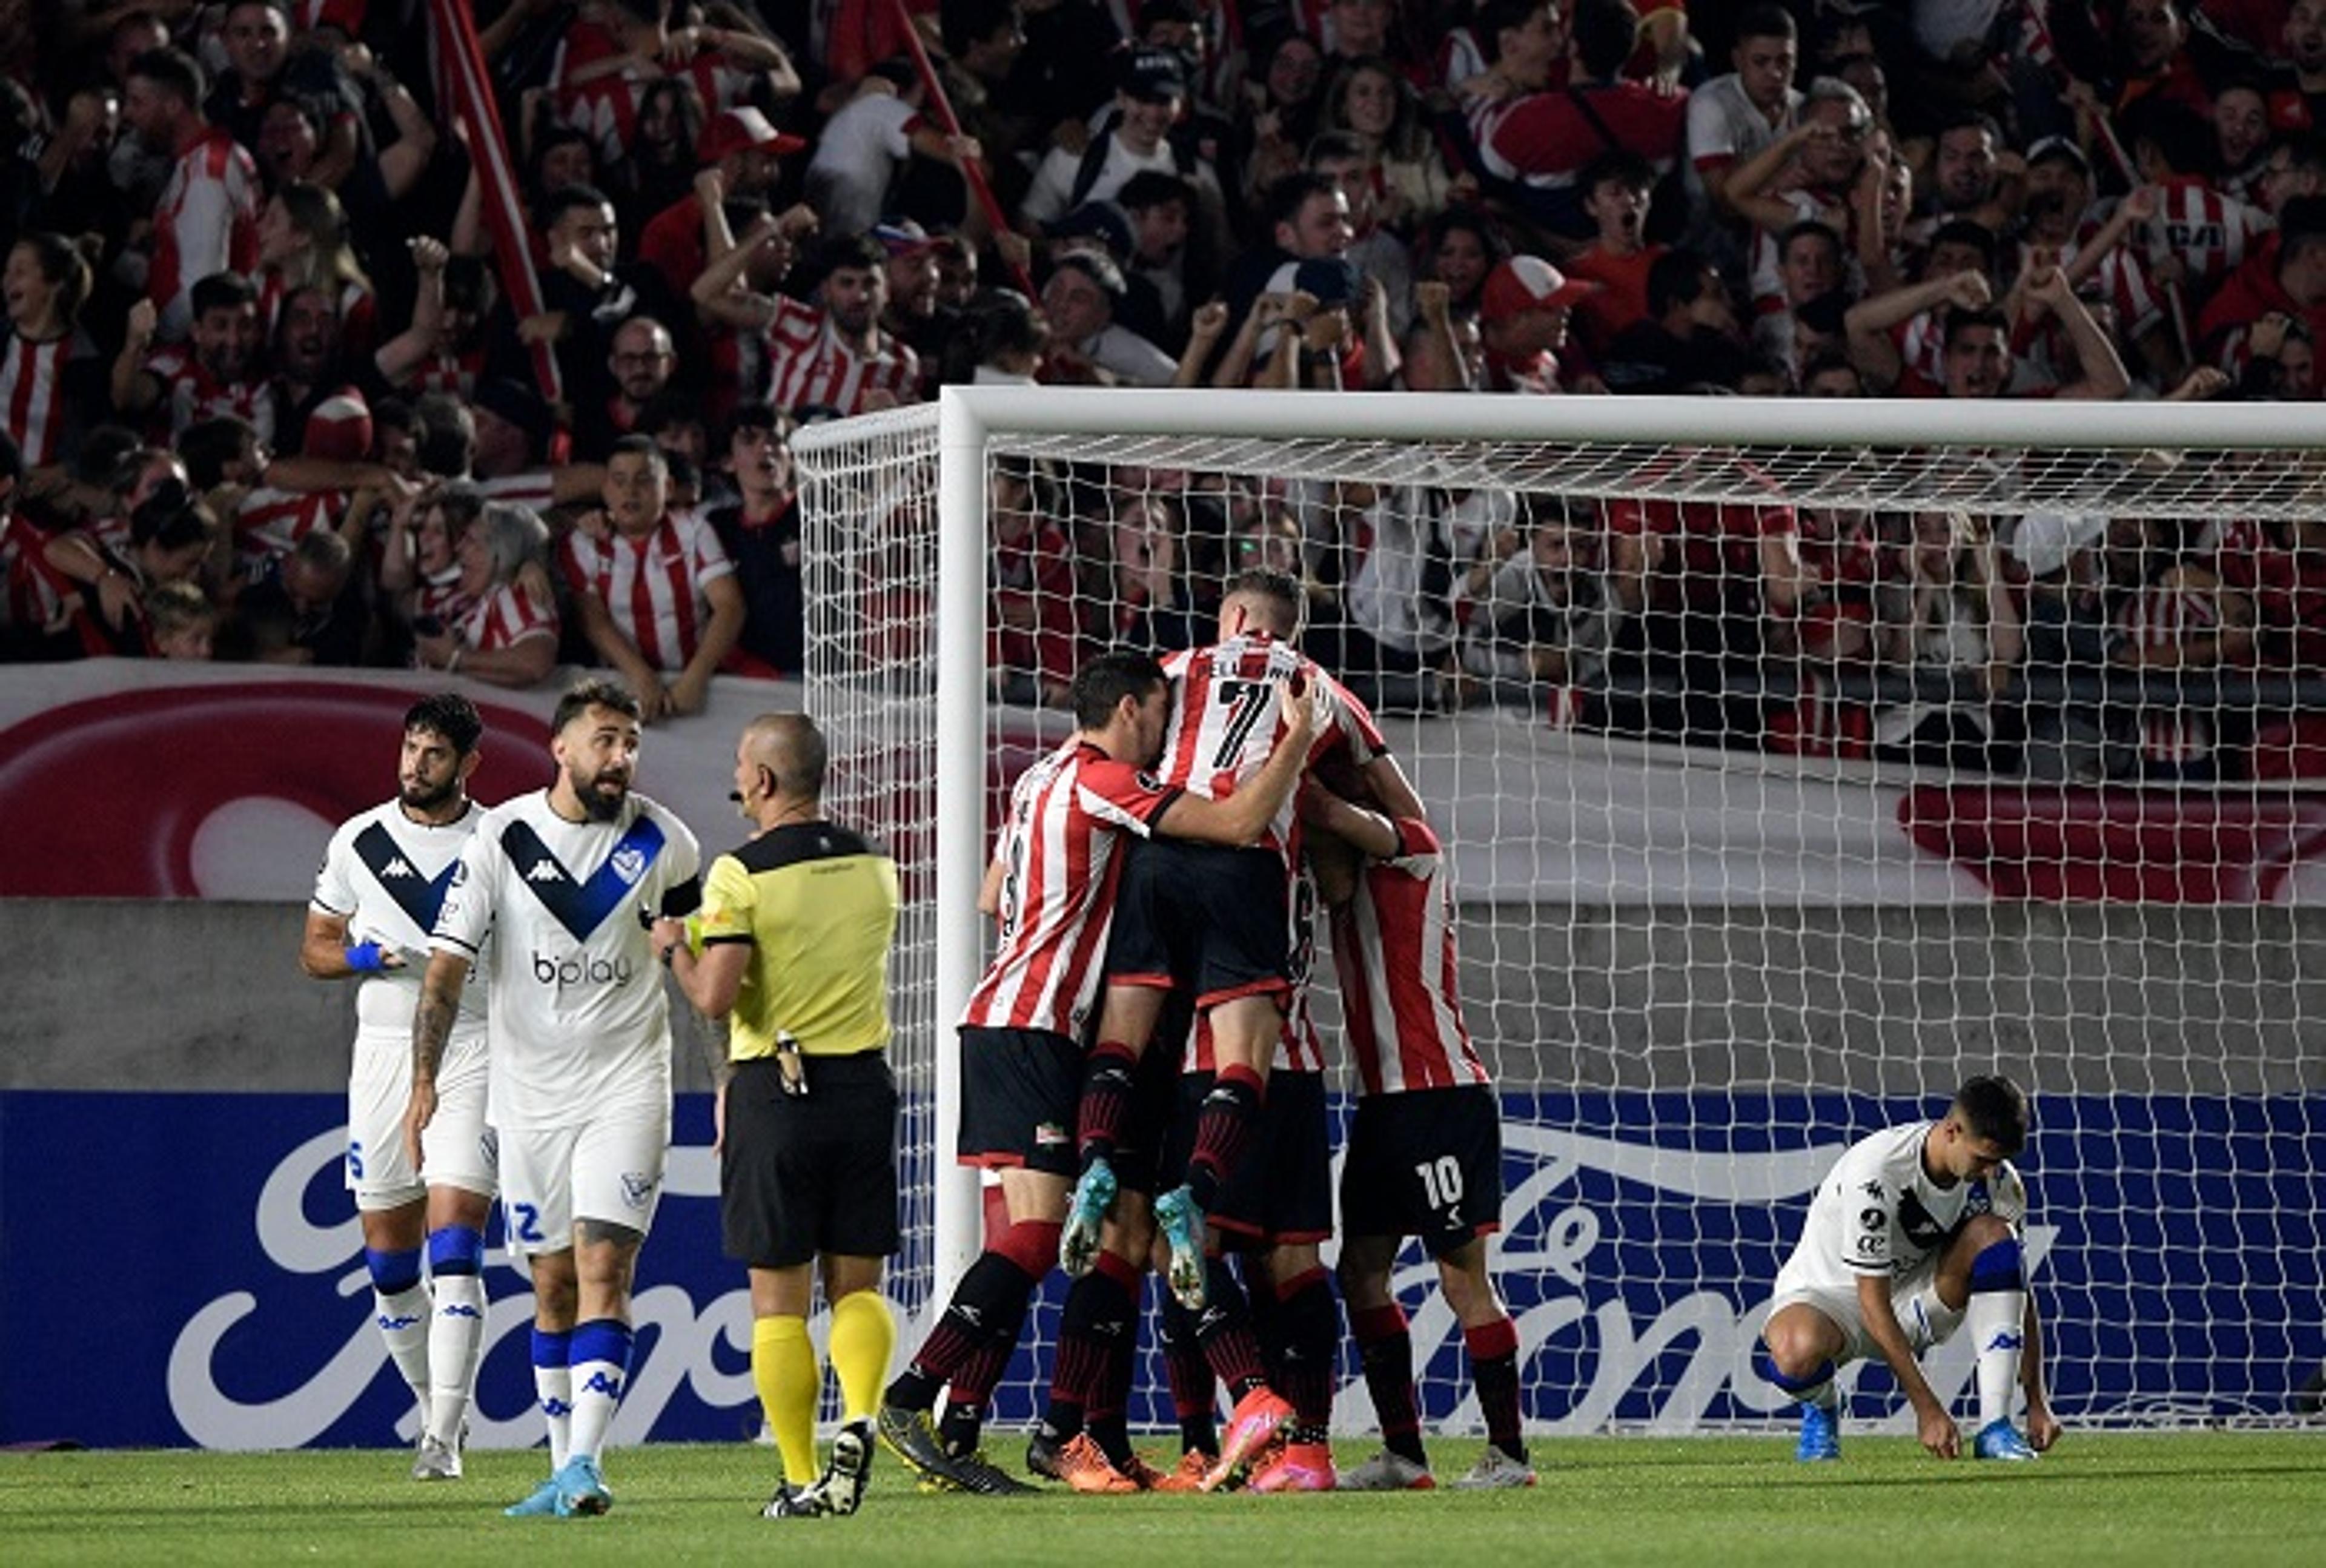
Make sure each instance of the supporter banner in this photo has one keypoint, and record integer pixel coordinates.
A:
(160, 780)
(163, 780)
(187, 1269)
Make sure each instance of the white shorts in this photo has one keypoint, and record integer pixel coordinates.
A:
(456, 1150)
(1913, 1299)
(609, 1169)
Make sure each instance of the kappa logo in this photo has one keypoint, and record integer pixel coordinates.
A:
(630, 865)
(636, 1188)
(545, 871)
(397, 867)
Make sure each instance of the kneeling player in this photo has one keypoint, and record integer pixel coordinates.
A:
(1915, 1233)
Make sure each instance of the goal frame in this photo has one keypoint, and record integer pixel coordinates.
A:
(968, 416)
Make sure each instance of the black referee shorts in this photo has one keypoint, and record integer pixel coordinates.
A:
(802, 1174)
(1281, 1192)
(1020, 1091)
(1428, 1164)
(1204, 918)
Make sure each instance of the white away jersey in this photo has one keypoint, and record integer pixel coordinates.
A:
(579, 1021)
(1877, 1213)
(385, 875)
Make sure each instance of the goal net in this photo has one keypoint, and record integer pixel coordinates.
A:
(1795, 760)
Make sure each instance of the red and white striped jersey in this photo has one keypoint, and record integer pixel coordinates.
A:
(2160, 617)
(1921, 340)
(1224, 721)
(2211, 233)
(36, 404)
(439, 599)
(510, 615)
(1393, 949)
(810, 366)
(206, 222)
(2121, 279)
(190, 393)
(1059, 868)
(653, 585)
(32, 602)
(606, 107)
(269, 523)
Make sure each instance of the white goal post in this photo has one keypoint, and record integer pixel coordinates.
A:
(1698, 962)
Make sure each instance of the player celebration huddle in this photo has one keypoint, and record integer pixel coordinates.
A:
(1140, 1073)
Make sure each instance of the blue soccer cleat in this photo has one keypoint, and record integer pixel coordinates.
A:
(541, 1504)
(2001, 1440)
(1821, 1438)
(1181, 1220)
(580, 1490)
(1086, 1211)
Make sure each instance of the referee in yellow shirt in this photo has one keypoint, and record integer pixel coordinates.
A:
(796, 928)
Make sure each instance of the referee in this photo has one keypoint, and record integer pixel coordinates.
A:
(796, 929)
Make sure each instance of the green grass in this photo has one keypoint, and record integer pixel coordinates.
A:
(2196, 1497)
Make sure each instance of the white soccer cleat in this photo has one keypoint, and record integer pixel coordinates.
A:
(1388, 1472)
(437, 1461)
(1495, 1471)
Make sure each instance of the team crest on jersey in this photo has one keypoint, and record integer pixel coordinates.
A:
(1873, 1218)
(636, 1188)
(583, 907)
(1147, 781)
(1049, 1134)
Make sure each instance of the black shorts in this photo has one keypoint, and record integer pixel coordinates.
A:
(1201, 918)
(1281, 1192)
(1428, 1164)
(802, 1174)
(1020, 1092)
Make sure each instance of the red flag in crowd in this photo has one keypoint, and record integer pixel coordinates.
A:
(464, 90)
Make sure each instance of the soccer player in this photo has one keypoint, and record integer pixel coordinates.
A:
(565, 882)
(375, 903)
(1215, 922)
(796, 932)
(1424, 1154)
(1913, 1235)
(1050, 888)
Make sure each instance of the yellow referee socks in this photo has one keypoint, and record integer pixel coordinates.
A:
(784, 1371)
(864, 1339)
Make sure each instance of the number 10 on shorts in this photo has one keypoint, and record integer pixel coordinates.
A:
(1441, 1182)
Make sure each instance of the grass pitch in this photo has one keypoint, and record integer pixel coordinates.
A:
(2195, 1498)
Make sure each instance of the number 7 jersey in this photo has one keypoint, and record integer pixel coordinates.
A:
(1224, 720)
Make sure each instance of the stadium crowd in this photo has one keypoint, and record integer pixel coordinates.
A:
(306, 361)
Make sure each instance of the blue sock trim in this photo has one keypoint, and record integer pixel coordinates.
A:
(393, 1273)
(1998, 1266)
(600, 1340)
(551, 1348)
(1798, 1388)
(456, 1249)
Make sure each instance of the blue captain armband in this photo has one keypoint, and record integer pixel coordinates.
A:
(366, 957)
